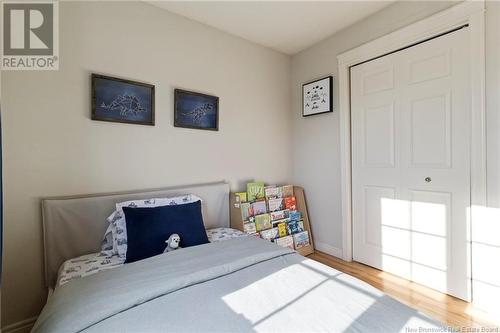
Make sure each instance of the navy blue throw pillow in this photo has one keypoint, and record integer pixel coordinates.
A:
(149, 228)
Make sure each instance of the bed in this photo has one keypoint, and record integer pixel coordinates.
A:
(237, 285)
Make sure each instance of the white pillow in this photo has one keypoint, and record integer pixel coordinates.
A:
(116, 234)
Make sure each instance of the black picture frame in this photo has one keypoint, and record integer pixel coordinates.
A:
(326, 85)
(122, 101)
(186, 115)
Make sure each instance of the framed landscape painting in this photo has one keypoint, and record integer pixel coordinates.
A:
(195, 110)
(122, 101)
(317, 97)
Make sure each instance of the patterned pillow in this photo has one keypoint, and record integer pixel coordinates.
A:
(107, 242)
(85, 265)
(115, 238)
(221, 234)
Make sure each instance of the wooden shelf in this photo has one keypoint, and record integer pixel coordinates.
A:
(298, 192)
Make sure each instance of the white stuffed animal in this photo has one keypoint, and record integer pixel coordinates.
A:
(172, 243)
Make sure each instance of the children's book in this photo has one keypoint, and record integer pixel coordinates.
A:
(249, 228)
(287, 191)
(294, 227)
(295, 215)
(286, 241)
(272, 192)
(275, 223)
(275, 204)
(290, 203)
(269, 234)
(262, 222)
(301, 239)
(282, 232)
(246, 210)
(241, 196)
(259, 207)
(279, 215)
(255, 191)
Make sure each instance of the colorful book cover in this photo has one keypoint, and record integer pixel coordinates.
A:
(246, 211)
(272, 192)
(290, 203)
(255, 191)
(241, 196)
(287, 191)
(275, 204)
(279, 215)
(275, 223)
(286, 241)
(262, 222)
(269, 234)
(259, 207)
(282, 232)
(249, 228)
(294, 227)
(301, 239)
(295, 215)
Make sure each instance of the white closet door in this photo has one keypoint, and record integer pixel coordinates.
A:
(410, 118)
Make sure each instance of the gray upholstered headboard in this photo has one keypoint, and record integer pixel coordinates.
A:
(74, 226)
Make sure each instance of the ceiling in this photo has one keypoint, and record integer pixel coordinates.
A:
(286, 26)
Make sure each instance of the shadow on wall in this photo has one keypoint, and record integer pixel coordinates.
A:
(485, 235)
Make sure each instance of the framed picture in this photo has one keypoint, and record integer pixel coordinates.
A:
(122, 101)
(195, 110)
(317, 97)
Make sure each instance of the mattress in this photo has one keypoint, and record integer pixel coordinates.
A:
(92, 263)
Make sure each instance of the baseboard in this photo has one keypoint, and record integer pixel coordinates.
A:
(328, 249)
(19, 327)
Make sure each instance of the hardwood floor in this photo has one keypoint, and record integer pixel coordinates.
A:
(447, 309)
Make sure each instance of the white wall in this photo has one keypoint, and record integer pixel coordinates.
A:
(51, 147)
(316, 139)
(486, 231)
(316, 144)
